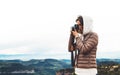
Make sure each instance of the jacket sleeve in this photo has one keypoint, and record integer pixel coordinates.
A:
(85, 46)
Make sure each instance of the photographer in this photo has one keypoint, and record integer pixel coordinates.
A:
(84, 41)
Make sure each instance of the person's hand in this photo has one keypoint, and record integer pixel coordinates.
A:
(72, 48)
(75, 33)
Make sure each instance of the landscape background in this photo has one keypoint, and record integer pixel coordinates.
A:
(35, 31)
(54, 67)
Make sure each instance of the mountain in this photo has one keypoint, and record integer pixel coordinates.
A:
(66, 61)
(43, 66)
(40, 67)
(107, 61)
(11, 61)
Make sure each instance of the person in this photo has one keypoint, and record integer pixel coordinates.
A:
(85, 42)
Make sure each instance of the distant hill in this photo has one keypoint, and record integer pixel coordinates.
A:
(40, 67)
(43, 66)
(11, 61)
(107, 61)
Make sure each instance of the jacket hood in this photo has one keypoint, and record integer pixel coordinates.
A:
(87, 24)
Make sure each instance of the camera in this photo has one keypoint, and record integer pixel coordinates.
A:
(75, 27)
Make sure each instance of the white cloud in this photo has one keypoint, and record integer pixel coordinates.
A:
(18, 50)
(31, 27)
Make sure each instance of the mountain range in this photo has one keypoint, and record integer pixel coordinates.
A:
(41, 66)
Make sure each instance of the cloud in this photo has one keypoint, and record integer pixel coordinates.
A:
(41, 28)
(17, 50)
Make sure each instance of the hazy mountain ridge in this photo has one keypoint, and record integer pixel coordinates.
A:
(34, 66)
(42, 66)
(64, 60)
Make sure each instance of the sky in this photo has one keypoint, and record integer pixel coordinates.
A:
(40, 29)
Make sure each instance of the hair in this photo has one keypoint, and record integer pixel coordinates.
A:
(80, 18)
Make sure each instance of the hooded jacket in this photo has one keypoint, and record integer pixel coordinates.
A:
(86, 46)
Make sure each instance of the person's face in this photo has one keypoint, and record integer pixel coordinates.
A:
(80, 27)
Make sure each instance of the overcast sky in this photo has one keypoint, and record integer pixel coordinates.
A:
(38, 29)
